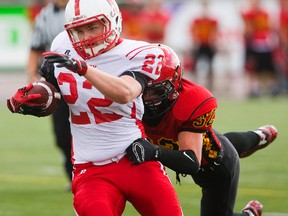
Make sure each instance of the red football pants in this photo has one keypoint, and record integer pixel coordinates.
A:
(104, 190)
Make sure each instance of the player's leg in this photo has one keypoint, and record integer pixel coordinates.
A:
(247, 143)
(63, 138)
(219, 186)
(96, 190)
(220, 183)
(103, 190)
(151, 191)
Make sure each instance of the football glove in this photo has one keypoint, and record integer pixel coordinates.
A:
(141, 150)
(74, 65)
(21, 102)
(47, 71)
(34, 110)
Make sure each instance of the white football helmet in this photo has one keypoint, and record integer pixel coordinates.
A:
(82, 12)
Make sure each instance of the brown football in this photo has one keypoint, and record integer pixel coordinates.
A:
(49, 96)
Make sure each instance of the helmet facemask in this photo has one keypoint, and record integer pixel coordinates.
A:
(159, 97)
(154, 94)
(93, 45)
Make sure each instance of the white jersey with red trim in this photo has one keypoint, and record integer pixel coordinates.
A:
(103, 129)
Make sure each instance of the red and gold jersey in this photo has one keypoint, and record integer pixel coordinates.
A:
(154, 24)
(193, 111)
(130, 26)
(283, 26)
(203, 30)
(257, 23)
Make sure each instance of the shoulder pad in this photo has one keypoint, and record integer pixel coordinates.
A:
(146, 59)
(61, 43)
(193, 101)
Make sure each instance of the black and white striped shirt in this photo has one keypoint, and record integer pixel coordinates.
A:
(48, 24)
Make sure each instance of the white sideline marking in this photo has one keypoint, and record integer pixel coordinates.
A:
(274, 214)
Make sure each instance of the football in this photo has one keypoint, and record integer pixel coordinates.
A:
(49, 96)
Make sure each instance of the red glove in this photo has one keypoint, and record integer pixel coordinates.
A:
(77, 66)
(22, 99)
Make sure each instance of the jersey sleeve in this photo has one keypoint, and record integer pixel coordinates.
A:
(139, 77)
(147, 60)
(61, 43)
(195, 108)
(200, 124)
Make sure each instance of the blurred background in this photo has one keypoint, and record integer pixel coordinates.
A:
(222, 68)
(236, 48)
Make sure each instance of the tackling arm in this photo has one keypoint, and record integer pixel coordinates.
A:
(184, 161)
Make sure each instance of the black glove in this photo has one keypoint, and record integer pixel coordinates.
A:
(141, 150)
(76, 66)
(32, 110)
(47, 71)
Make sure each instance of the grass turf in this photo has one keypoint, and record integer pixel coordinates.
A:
(32, 178)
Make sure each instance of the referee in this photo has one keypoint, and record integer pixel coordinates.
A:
(48, 24)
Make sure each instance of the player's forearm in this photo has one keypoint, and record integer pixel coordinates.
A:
(119, 89)
(184, 162)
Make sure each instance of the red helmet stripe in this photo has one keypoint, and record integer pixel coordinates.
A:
(77, 7)
(114, 6)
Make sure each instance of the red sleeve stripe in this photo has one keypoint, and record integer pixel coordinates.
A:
(136, 51)
(138, 121)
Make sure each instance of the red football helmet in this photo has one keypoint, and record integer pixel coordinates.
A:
(160, 94)
(85, 12)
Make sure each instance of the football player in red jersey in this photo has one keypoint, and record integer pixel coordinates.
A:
(203, 32)
(260, 42)
(281, 54)
(154, 20)
(179, 115)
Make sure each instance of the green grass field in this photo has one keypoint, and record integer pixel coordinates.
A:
(32, 179)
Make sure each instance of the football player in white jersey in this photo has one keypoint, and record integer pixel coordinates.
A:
(101, 77)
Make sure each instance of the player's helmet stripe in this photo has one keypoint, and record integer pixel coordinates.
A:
(77, 7)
